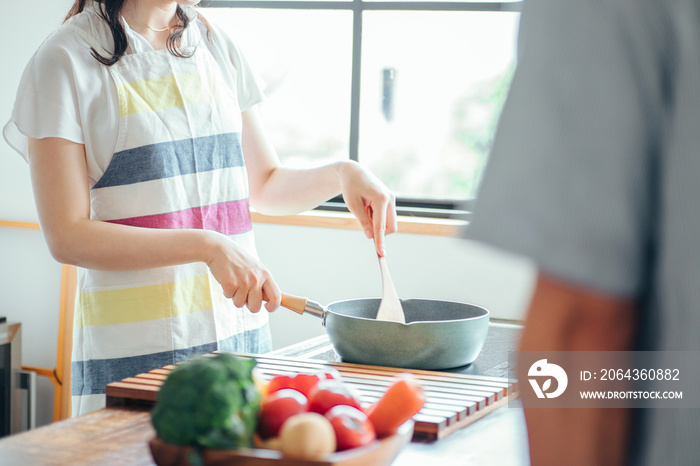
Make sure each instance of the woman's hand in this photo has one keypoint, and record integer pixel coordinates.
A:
(370, 201)
(278, 190)
(242, 277)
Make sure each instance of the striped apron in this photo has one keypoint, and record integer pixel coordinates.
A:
(178, 163)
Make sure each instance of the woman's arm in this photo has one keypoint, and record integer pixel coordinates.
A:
(277, 190)
(59, 178)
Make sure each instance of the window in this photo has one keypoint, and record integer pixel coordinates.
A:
(411, 89)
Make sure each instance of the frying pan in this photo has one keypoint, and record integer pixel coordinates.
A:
(437, 334)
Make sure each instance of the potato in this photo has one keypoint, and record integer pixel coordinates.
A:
(307, 436)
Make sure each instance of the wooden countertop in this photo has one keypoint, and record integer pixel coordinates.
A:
(105, 437)
(119, 436)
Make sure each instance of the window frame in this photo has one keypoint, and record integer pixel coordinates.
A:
(412, 207)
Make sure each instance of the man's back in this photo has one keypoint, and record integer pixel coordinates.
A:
(595, 168)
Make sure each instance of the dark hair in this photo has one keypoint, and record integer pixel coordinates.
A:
(109, 11)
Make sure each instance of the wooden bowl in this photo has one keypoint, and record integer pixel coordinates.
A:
(379, 452)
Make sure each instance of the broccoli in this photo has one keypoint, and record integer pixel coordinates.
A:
(208, 402)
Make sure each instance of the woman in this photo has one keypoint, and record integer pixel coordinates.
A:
(139, 123)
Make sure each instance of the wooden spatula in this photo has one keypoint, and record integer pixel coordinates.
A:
(390, 307)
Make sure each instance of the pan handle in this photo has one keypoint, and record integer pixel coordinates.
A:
(303, 305)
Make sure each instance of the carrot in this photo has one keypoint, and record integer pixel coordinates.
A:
(402, 400)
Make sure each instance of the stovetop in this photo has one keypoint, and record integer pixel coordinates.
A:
(492, 360)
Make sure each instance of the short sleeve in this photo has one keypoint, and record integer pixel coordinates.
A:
(46, 104)
(569, 182)
(249, 85)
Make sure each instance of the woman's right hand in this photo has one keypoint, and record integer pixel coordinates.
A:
(242, 277)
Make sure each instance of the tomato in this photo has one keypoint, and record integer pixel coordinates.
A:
(305, 382)
(329, 393)
(302, 382)
(279, 382)
(329, 373)
(352, 427)
(277, 408)
(402, 400)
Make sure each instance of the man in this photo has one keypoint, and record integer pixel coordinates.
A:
(594, 174)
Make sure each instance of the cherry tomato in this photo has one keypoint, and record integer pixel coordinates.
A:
(277, 408)
(402, 400)
(305, 382)
(279, 382)
(329, 393)
(329, 373)
(352, 427)
(302, 382)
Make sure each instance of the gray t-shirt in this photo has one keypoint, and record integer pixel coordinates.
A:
(595, 172)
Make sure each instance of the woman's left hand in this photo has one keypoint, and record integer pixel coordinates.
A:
(370, 201)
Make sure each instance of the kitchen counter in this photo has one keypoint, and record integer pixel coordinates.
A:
(116, 436)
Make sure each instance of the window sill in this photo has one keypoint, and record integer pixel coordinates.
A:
(22, 225)
(346, 221)
(329, 219)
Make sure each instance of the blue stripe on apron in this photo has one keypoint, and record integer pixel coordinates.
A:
(92, 374)
(173, 158)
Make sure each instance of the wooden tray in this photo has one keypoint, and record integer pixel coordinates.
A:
(378, 453)
(453, 401)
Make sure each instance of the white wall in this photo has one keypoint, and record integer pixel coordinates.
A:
(29, 277)
(322, 264)
(332, 265)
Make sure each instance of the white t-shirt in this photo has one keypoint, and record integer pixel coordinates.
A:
(65, 92)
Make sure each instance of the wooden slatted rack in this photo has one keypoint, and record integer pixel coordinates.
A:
(453, 400)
